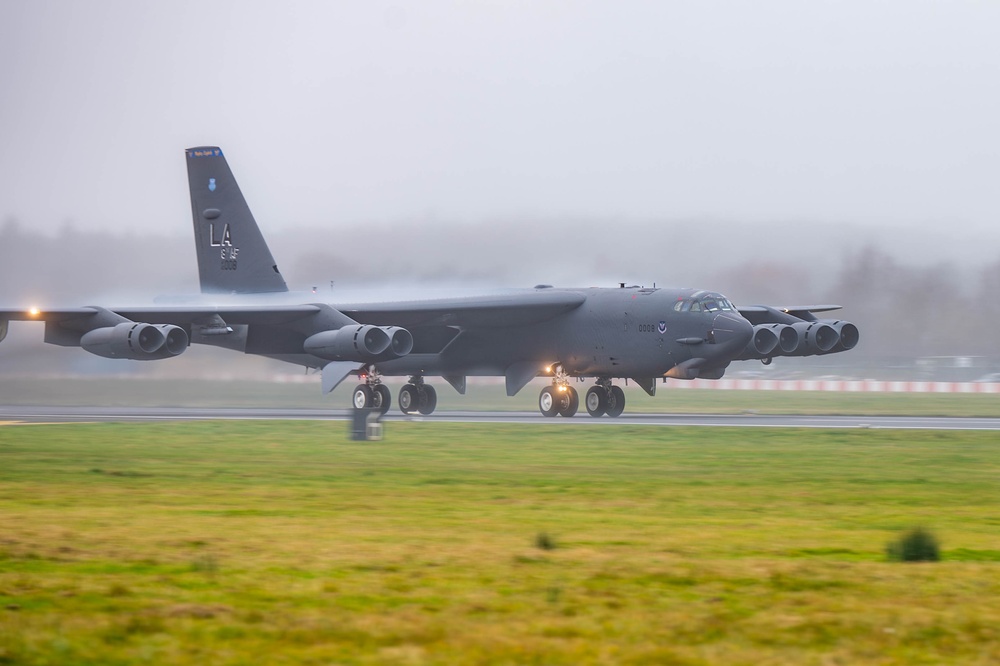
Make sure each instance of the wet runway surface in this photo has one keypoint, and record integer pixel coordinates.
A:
(13, 415)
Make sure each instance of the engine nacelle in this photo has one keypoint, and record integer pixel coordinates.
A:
(814, 337)
(771, 340)
(848, 335)
(362, 343)
(136, 341)
(762, 343)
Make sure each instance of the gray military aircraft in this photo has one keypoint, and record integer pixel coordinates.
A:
(642, 334)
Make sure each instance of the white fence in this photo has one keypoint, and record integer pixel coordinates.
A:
(859, 386)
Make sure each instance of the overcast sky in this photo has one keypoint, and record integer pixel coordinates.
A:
(872, 113)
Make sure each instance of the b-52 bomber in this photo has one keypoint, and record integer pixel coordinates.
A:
(567, 335)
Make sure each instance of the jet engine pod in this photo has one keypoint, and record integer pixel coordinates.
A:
(400, 341)
(848, 332)
(771, 340)
(135, 341)
(365, 344)
(815, 337)
(175, 341)
(788, 338)
(764, 340)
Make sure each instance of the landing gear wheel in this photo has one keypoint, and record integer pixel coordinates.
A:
(570, 403)
(596, 401)
(381, 398)
(428, 400)
(362, 397)
(616, 401)
(409, 398)
(549, 401)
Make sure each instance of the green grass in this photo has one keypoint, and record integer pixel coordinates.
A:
(190, 393)
(283, 542)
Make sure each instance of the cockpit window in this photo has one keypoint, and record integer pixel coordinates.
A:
(712, 303)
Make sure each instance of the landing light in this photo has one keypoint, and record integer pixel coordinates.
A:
(34, 312)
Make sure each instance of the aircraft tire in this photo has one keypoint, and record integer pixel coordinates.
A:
(548, 401)
(428, 400)
(570, 404)
(381, 398)
(408, 399)
(362, 397)
(596, 401)
(616, 402)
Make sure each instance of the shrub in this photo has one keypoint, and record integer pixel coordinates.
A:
(544, 541)
(916, 545)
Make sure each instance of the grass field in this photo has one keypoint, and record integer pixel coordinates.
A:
(191, 393)
(278, 542)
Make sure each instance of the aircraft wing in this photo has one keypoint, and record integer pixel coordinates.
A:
(762, 314)
(266, 315)
(502, 310)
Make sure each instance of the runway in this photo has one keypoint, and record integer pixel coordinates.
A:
(19, 415)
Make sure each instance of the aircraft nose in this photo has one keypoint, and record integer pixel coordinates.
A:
(732, 330)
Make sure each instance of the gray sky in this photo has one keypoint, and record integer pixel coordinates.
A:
(880, 114)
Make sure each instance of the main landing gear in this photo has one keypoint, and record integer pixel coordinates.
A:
(562, 399)
(372, 394)
(417, 397)
(605, 399)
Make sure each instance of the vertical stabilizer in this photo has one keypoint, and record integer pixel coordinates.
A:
(232, 255)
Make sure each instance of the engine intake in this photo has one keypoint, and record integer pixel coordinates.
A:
(363, 343)
(771, 340)
(803, 338)
(814, 338)
(136, 341)
(848, 335)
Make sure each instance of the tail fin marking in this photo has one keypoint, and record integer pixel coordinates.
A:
(233, 257)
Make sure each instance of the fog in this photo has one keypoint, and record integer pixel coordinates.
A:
(875, 114)
(779, 152)
(905, 308)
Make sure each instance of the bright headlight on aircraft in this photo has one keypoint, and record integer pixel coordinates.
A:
(34, 312)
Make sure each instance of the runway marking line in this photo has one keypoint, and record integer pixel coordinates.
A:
(31, 423)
